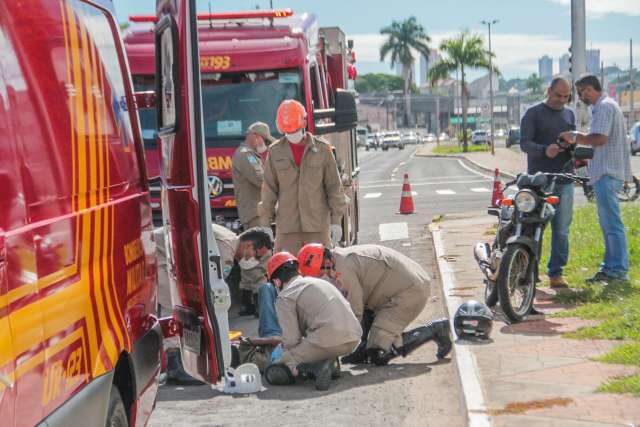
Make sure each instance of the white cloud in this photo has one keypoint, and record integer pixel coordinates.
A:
(516, 54)
(600, 8)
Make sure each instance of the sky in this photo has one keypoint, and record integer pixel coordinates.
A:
(527, 29)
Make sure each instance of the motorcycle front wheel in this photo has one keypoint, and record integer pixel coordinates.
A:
(630, 191)
(516, 284)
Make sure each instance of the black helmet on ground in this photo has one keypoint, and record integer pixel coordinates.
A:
(473, 320)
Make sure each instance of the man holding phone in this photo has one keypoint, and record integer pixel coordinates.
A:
(540, 127)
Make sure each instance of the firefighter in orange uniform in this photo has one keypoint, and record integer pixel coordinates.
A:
(301, 190)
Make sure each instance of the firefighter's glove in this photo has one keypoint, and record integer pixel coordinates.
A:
(336, 234)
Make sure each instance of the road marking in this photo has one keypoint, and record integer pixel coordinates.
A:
(465, 360)
(421, 184)
(372, 195)
(446, 192)
(420, 180)
(474, 171)
(480, 190)
(414, 193)
(393, 231)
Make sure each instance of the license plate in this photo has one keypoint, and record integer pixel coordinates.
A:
(191, 338)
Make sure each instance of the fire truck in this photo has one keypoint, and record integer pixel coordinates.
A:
(250, 62)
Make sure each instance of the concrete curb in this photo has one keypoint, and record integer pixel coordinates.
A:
(471, 163)
(465, 360)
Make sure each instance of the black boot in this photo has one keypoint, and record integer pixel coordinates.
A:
(175, 372)
(359, 355)
(247, 308)
(278, 374)
(438, 330)
(321, 372)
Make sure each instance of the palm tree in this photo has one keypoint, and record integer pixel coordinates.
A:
(404, 38)
(461, 52)
(534, 82)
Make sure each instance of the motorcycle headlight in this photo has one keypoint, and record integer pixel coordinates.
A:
(525, 201)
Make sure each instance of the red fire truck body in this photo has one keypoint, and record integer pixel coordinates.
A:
(250, 62)
(79, 338)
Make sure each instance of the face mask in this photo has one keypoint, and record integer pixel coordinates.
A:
(295, 137)
(248, 264)
(261, 148)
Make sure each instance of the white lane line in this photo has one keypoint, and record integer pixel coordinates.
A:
(414, 193)
(465, 359)
(421, 184)
(480, 190)
(393, 231)
(417, 180)
(446, 192)
(372, 195)
(474, 171)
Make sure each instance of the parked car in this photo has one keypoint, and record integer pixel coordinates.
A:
(392, 139)
(634, 139)
(480, 136)
(500, 133)
(443, 137)
(430, 138)
(513, 137)
(411, 138)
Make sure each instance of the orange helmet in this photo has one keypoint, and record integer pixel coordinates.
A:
(290, 116)
(310, 258)
(277, 261)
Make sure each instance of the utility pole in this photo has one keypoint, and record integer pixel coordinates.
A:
(632, 85)
(579, 56)
(493, 145)
(602, 74)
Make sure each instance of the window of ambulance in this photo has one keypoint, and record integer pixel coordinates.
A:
(231, 102)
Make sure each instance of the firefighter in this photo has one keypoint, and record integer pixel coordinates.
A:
(387, 291)
(254, 251)
(301, 177)
(247, 172)
(317, 324)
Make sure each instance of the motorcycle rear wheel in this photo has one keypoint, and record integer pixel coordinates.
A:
(630, 191)
(516, 284)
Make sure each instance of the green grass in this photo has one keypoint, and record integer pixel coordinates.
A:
(457, 149)
(628, 385)
(617, 305)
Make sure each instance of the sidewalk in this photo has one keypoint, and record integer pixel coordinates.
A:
(510, 161)
(529, 374)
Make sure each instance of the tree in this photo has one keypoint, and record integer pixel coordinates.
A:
(404, 38)
(534, 82)
(378, 83)
(461, 52)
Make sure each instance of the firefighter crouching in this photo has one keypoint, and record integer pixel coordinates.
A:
(317, 324)
(247, 173)
(387, 291)
(301, 177)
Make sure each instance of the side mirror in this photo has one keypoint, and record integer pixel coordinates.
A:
(344, 116)
(146, 99)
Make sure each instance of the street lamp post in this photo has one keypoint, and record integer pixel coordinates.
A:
(488, 24)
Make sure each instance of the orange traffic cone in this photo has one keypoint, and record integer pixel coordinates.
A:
(406, 201)
(497, 195)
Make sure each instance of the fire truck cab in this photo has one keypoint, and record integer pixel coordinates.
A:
(249, 63)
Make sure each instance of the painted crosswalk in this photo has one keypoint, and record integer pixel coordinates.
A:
(446, 192)
(393, 231)
(372, 195)
(480, 190)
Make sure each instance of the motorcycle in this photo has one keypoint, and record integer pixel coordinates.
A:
(629, 192)
(510, 263)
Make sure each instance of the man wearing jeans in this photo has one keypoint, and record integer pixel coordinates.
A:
(608, 170)
(540, 128)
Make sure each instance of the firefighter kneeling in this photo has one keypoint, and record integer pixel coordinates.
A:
(317, 324)
(387, 291)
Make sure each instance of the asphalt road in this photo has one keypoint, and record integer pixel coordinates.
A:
(417, 390)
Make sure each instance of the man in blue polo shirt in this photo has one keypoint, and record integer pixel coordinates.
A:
(540, 128)
(608, 170)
